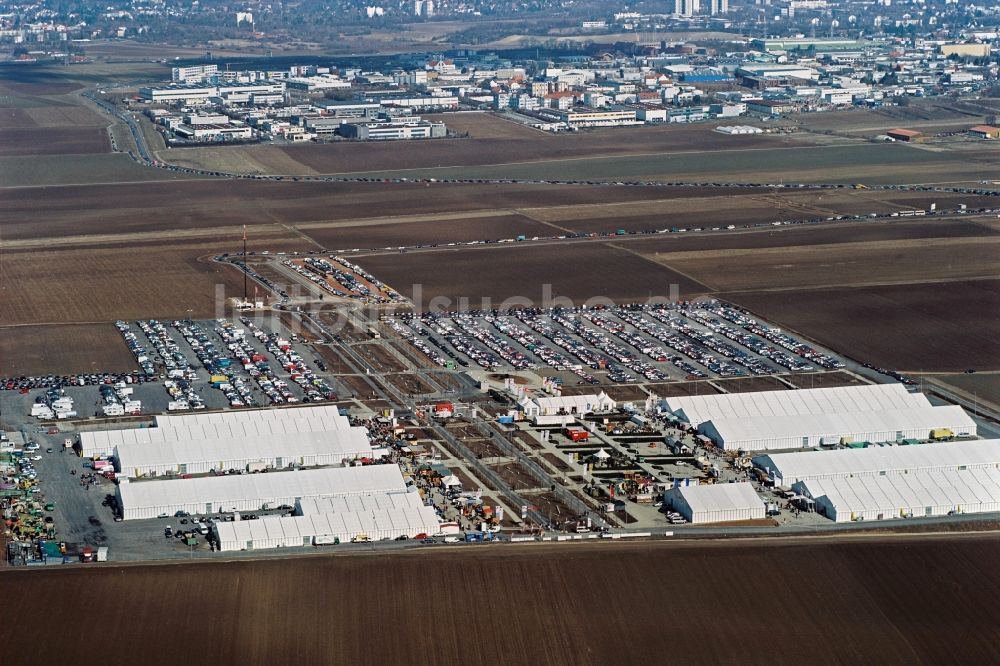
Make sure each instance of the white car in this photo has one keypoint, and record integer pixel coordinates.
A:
(35, 458)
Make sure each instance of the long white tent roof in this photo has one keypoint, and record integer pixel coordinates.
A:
(222, 425)
(343, 443)
(804, 465)
(734, 429)
(720, 497)
(330, 481)
(358, 503)
(949, 489)
(838, 400)
(324, 417)
(344, 525)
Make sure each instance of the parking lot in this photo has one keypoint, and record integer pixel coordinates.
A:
(622, 344)
(183, 366)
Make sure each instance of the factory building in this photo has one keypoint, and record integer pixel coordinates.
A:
(253, 492)
(581, 117)
(717, 503)
(326, 528)
(883, 483)
(201, 93)
(771, 420)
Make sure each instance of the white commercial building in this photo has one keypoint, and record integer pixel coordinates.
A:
(326, 528)
(254, 454)
(251, 492)
(566, 404)
(246, 424)
(717, 503)
(814, 417)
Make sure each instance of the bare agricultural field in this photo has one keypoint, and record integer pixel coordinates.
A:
(537, 611)
(37, 212)
(840, 264)
(934, 327)
(14, 118)
(345, 157)
(874, 231)
(105, 283)
(377, 234)
(36, 350)
(46, 170)
(66, 117)
(578, 272)
(479, 125)
(54, 141)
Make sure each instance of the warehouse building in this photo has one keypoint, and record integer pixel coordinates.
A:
(248, 423)
(244, 454)
(804, 418)
(326, 528)
(253, 492)
(717, 503)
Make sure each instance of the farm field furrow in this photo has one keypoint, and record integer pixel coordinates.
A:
(577, 272)
(37, 350)
(538, 610)
(938, 327)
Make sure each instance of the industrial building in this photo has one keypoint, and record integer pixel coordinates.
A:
(253, 492)
(392, 131)
(717, 503)
(326, 528)
(201, 93)
(804, 418)
(245, 424)
(257, 453)
(882, 483)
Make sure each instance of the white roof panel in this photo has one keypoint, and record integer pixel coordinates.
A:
(842, 399)
(803, 465)
(326, 482)
(721, 497)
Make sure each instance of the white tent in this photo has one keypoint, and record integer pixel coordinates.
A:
(910, 495)
(357, 503)
(722, 502)
(699, 409)
(217, 425)
(757, 433)
(251, 492)
(193, 456)
(325, 528)
(788, 468)
(602, 454)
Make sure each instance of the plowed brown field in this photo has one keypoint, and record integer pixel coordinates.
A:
(797, 602)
